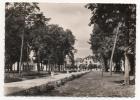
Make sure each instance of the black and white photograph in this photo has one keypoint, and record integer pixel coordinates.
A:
(70, 49)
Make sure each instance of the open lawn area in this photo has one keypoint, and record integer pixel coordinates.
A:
(93, 85)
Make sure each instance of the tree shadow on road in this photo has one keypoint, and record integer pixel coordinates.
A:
(132, 82)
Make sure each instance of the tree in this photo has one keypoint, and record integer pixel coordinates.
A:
(38, 36)
(27, 29)
(19, 18)
(52, 43)
(108, 17)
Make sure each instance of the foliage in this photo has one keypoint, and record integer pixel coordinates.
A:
(51, 43)
(105, 18)
(17, 16)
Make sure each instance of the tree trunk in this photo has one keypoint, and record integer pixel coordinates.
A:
(127, 70)
(41, 66)
(105, 61)
(17, 66)
(46, 67)
(21, 53)
(54, 67)
(38, 66)
(119, 24)
(102, 71)
(62, 67)
(11, 67)
(22, 44)
(59, 68)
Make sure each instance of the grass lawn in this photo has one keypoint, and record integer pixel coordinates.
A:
(94, 85)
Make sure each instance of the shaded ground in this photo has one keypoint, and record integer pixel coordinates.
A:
(93, 84)
(14, 77)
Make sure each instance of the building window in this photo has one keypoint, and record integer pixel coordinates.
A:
(90, 62)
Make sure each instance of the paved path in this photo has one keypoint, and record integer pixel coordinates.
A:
(93, 84)
(15, 87)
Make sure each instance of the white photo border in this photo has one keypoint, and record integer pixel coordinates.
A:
(2, 48)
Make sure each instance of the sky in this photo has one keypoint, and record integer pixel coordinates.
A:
(73, 16)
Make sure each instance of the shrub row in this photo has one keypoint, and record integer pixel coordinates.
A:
(49, 86)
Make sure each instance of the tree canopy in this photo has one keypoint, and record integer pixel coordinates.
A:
(50, 42)
(106, 19)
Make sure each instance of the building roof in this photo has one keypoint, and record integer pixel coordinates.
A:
(90, 57)
(79, 60)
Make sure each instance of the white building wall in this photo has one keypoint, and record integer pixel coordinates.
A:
(88, 61)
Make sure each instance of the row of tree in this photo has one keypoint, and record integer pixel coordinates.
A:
(27, 29)
(114, 35)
